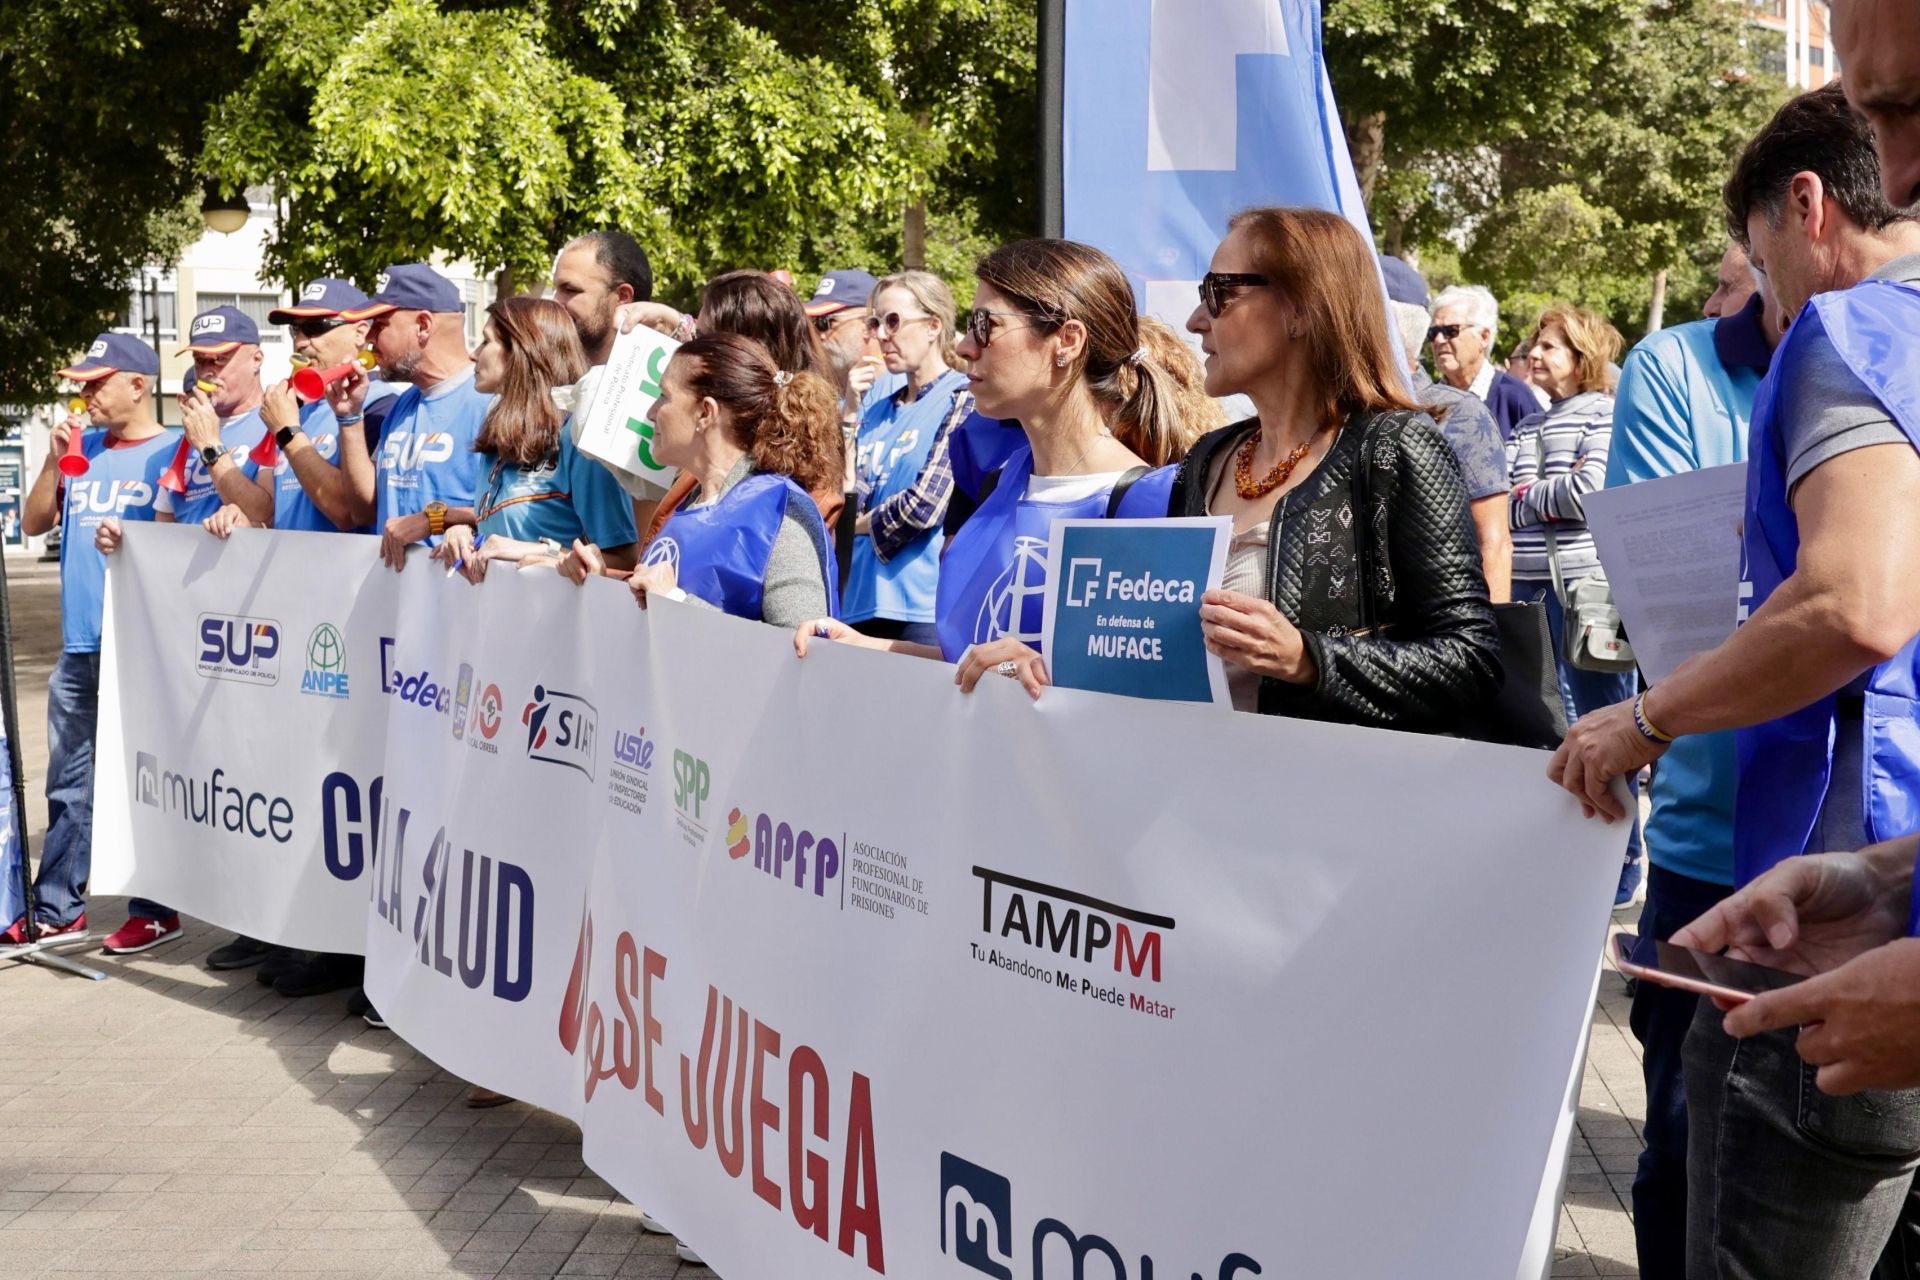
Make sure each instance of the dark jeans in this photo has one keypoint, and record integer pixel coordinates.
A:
(66, 857)
(1660, 1018)
(1582, 691)
(1785, 1182)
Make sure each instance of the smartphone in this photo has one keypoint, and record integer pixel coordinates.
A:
(1697, 971)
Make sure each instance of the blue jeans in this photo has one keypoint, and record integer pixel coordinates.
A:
(1583, 691)
(1660, 1019)
(66, 857)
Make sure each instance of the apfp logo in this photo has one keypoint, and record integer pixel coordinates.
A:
(561, 728)
(786, 852)
(326, 673)
(237, 648)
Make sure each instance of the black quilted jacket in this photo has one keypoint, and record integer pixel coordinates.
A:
(1382, 577)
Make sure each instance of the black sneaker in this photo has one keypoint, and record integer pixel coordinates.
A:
(357, 1003)
(239, 953)
(373, 1019)
(323, 973)
(278, 961)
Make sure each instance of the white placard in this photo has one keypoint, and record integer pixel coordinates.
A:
(1671, 550)
(613, 426)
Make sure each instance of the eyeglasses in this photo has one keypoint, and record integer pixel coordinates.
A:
(980, 324)
(1218, 287)
(1447, 331)
(889, 324)
(826, 324)
(315, 326)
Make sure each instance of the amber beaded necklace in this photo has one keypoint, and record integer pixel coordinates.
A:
(1243, 468)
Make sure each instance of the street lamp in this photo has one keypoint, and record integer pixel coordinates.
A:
(225, 214)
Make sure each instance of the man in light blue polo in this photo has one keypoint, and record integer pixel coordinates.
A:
(1685, 399)
(223, 425)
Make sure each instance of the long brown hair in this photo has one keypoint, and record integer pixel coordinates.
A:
(755, 305)
(543, 352)
(1319, 264)
(1054, 281)
(788, 423)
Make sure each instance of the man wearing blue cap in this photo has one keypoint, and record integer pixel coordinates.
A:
(222, 425)
(426, 469)
(119, 379)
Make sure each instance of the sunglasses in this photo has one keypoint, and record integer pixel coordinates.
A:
(979, 324)
(1447, 331)
(889, 324)
(315, 326)
(1217, 288)
(824, 325)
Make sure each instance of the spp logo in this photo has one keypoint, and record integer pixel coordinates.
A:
(326, 673)
(976, 1230)
(561, 729)
(239, 648)
(785, 852)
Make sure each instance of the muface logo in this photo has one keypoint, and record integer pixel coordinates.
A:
(326, 673)
(1070, 923)
(786, 852)
(976, 1230)
(561, 729)
(214, 803)
(238, 648)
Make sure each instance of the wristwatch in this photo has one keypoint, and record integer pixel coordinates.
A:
(436, 518)
(210, 455)
(283, 437)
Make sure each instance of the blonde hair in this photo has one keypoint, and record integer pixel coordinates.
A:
(1167, 437)
(1595, 342)
(930, 293)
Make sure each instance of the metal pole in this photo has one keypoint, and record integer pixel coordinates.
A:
(1053, 96)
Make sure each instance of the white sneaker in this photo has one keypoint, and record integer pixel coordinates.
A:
(687, 1255)
(651, 1225)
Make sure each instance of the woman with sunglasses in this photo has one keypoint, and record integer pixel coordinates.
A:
(1353, 585)
(900, 461)
(1053, 343)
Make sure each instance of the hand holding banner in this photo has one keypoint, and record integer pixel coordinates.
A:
(612, 425)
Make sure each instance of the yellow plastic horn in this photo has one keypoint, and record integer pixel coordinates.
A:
(76, 405)
(298, 361)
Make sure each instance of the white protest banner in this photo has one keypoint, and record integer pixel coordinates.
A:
(1123, 608)
(1671, 550)
(238, 681)
(613, 426)
(1094, 981)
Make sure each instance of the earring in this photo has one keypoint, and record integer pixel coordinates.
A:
(1060, 361)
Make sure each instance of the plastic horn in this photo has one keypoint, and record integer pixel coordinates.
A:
(310, 384)
(195, 383)
(74, 462)
(298, 361)
(174, 478)
(267, 452)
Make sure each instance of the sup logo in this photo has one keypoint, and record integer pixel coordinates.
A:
(561, 728)
(238, 648)
(326, 673)
(976, 1230)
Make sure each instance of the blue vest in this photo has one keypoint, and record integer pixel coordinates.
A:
(1785, 764)
(719, 551)
(993, 578)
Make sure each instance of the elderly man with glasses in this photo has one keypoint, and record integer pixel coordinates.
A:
(1465, 320)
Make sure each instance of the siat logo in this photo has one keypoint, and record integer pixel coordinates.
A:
(561, 728)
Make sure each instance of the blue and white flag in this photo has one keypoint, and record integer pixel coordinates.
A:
(1180, 113)
(12, 852)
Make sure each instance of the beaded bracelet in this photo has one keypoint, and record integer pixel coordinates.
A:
(1645, 726)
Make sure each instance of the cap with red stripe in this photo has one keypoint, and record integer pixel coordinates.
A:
(113, 353)
(320, 299)
(410, 286)
(220, 330)
(838, 291)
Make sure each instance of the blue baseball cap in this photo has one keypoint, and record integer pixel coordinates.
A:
(1404, 284)
(838, 291)
(221, 330)
(410, 286)
(113, 353)
(320, 299)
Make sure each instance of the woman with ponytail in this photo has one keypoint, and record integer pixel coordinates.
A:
(757, 439)
(1053, 343)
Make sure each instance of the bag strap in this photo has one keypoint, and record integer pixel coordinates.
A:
(1553, 566)
(1362, 490)
(1120, 487)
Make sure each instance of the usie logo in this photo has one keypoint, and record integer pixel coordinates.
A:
(237, 648)
(976, 1230)
(560, 729)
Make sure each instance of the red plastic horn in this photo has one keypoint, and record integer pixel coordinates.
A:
(267, 452)
(74, 461)
(311, 385)
(174, 478)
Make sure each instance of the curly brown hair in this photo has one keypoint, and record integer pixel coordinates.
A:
(788, 423)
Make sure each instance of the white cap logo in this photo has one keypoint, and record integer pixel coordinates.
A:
(209, 324)
(824, 288)
(315, 290)
(380, 282)
(97, 349)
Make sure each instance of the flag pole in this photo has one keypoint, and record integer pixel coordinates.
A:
(1053, 96)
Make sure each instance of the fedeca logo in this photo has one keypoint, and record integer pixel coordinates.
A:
(419, 690)
(561, 729)
(1086, 585)
(976, 1230)
(326, 673)
(233, 647)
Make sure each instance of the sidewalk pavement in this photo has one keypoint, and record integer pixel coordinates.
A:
(176, 1120)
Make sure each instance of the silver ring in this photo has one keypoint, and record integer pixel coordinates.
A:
(1009, 669)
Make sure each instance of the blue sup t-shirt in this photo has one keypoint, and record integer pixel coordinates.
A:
(567, 497)
(292, 508)
(896, 440)
(239, 436)
(120, 483)
(426, 449)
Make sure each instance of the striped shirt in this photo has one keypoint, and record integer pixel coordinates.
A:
(1555, 459)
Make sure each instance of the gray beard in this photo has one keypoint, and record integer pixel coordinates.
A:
(404, 369)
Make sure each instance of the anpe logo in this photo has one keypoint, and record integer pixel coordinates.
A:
(326, 673)
(1015, 602)
(1078, 927)
(214, 803)
(787, 852)
(238, 648)
(561, 728)
(976, 1230)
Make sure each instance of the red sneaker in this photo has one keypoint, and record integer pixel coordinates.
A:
(139, 934)
(17, 935)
